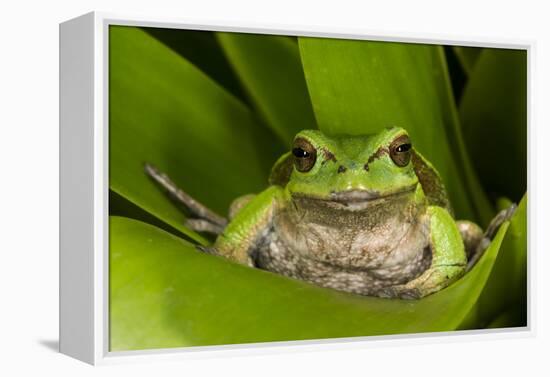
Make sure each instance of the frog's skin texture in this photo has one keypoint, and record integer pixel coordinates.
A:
(362, 214)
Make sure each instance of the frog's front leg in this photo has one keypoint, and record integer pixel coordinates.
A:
(448, 257)
(237, 240)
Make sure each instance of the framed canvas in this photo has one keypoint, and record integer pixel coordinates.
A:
(228, 188)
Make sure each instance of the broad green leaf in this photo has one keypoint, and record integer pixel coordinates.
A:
(269, 67)
(467, 56)
(360, 87)
(122, 207)
(506, 288)
(163, 293)
(165, 111)
(202, 49)
(493, 113)
(482, 206)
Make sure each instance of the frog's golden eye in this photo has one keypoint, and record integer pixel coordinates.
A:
(305, 155)
(400, 150)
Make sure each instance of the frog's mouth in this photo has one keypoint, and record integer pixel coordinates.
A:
(357, 200)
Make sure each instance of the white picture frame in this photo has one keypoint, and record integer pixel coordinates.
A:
(84, 231)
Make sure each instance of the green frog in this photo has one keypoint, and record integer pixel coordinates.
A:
(361, 214)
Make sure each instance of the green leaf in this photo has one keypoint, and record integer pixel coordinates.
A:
(493, 113)
(122, 207)
(508, 318)
(165, 111)
(482, 206)
(163, 293)
(456, 72)
(506, 288)
(269, 67)
(360, 87)
(202, 49)
(468, 57)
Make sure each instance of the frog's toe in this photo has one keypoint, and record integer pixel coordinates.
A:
(471, 235)
(206, 249)
(501, 217)
(204, 226)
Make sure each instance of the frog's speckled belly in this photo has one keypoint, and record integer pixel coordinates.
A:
(274, 252)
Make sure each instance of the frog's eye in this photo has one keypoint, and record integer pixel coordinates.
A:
(305, 155)
(400, 150)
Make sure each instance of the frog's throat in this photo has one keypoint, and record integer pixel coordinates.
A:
(356, 200)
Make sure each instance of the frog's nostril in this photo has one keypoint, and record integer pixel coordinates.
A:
(341, 169)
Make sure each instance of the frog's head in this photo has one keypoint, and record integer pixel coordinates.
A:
(351, 169)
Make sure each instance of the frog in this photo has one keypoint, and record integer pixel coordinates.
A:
(362, 214)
